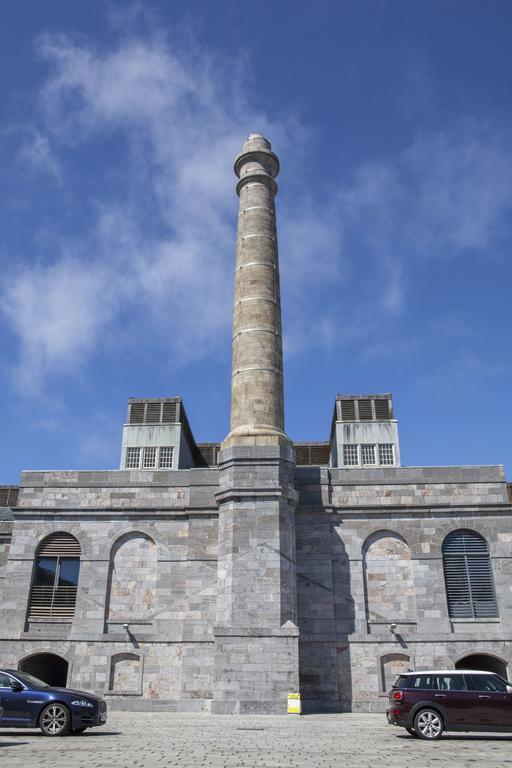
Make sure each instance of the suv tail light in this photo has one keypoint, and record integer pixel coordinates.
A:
(397, 695)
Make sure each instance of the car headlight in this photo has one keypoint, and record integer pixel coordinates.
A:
(82, 703)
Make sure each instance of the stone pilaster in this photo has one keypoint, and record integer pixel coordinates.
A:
(256, 637)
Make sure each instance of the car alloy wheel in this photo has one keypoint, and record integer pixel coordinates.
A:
(428, 724)
(54, 720)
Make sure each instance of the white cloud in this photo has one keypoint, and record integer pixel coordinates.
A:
(163, 248)
(36, 152)
(464, 188)
(160, 248)
(446, 194)
(56, 311)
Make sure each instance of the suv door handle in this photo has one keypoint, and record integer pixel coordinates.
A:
(440, 695)
(480, 696)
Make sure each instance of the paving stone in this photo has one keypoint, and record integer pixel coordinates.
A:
(160, 739)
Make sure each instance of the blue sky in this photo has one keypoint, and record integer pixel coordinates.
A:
(119, 124)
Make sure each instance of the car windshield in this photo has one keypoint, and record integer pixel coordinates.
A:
(31, 680)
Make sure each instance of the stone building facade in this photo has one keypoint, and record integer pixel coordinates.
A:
(221, 577)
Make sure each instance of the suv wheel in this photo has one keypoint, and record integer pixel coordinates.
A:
(54, 720)
(428, 724)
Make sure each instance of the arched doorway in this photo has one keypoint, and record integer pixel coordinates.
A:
(483, 662)
(47, 667)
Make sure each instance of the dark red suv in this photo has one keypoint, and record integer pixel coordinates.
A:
(428, 703)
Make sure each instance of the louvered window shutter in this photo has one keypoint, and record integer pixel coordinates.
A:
(54, 587)
(302, 455)
(153, 413)
(348, 410)
(320, 455)
(382, 409)
(468, 576)
(365, 410)
(169, 412)
(137, 411)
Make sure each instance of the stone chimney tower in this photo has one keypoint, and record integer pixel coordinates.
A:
(257, 403)
(256, 581)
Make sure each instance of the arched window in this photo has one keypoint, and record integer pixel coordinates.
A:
(55, 580)
(468, 576)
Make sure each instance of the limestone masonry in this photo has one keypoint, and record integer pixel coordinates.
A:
(221, 577)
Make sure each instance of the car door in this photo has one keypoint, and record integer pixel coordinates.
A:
(493, 705)
(452, 694)
(15, 705)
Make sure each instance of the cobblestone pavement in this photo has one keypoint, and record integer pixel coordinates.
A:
(143, 740)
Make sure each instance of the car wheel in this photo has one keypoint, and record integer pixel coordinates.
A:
(412, 732)
(54, 720)
(428, 724)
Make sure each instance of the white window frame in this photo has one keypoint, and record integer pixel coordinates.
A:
(127, 464)
(374, 450)
(166, 448)
(358, 455)
(150, 450)
(387, 463)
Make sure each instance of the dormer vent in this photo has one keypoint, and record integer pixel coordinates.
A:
(153, 412)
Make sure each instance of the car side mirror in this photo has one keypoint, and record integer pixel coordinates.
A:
(509, 689)
(17, 687)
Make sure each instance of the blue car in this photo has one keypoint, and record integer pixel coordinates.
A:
(29, 703)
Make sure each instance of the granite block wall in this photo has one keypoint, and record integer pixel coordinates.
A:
(256, 656)
(153, 566)
(347, 652)
(168, 675)
(5, 543)
(343, 566)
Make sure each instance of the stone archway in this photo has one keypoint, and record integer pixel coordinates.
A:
(48, 667)
(484, 662)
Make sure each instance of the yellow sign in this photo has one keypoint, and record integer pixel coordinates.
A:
(294, 704)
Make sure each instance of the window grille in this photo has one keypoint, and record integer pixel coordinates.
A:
(132, 458)
(55, 581)
(149, 458)
(468, 576)
(386, 454)
(350, 455)
(165, 458)
(368, 454)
